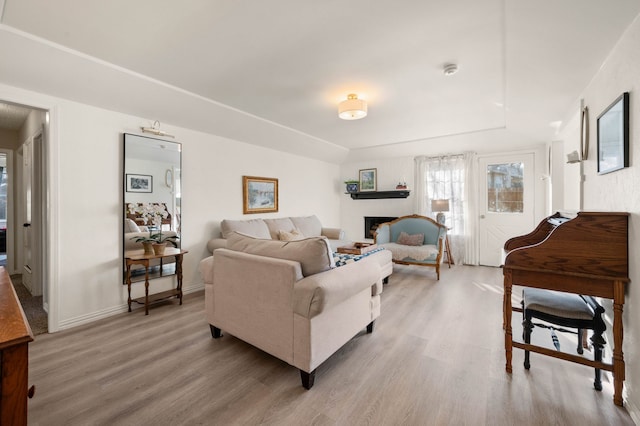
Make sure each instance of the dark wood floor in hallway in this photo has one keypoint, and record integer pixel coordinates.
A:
(435, 358)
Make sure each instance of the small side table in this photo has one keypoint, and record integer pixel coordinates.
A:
(139, 258)
(357, 248)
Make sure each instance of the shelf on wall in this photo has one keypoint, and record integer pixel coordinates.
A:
(373, 195)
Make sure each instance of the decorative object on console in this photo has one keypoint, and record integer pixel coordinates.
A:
(352, 185)
(439, 207)
(139, 183)
(352, 108)
(152, 214)
(613, 136)
(368, 180)
(259, 195)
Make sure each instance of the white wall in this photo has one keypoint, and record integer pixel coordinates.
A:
(86, 189)
(389, 172)
(617, 191)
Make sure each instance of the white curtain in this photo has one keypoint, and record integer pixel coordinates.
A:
(451, 177)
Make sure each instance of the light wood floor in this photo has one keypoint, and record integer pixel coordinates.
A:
(435, 358)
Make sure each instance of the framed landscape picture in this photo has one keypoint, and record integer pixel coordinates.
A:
(139, 183)
(259, 194)
(613, 136)
(368, 180)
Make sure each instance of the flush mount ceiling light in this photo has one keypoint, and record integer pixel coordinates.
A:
(450, 69)
(353, 108)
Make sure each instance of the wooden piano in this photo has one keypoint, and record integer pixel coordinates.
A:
(584, 253)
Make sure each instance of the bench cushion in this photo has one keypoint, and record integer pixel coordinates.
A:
(557, 303)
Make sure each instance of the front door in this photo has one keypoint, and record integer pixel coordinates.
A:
(506, 202)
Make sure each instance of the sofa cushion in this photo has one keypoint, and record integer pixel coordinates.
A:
(277, 225)
(254, 227)
(294, 235)
(314, 254)
(310, 226)
(410, 240)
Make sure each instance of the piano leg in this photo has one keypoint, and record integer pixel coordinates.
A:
(508, 336)
(618, 356)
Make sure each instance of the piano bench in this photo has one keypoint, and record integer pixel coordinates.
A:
(564, 310)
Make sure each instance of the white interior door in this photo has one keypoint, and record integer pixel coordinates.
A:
(506, 202)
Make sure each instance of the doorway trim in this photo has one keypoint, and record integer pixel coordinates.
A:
(11, 225)
(50, 265)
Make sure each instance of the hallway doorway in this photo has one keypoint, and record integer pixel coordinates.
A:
(22, 213)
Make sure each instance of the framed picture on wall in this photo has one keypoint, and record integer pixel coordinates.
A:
(368, 180)
(259, 195)
(613, 136)
(139, 183)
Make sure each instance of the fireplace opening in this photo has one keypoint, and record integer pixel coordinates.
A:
(371, 224)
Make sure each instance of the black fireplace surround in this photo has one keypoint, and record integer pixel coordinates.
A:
(371, 224)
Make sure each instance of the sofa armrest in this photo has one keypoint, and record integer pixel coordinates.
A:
(320, 292)
(382, 234)
(333, 233)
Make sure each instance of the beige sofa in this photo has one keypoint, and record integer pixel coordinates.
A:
(287, 298)
(279, 228)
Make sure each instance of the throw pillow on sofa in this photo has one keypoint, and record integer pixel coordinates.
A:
(294, 235)
(314, 254)
(410, 240)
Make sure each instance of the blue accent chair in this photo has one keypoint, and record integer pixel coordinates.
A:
(427, 254)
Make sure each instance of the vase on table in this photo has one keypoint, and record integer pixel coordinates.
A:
(158, 248)
(148, 247)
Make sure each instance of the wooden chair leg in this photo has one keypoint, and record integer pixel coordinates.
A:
(598, 346)
(580, 349)
(527, 328)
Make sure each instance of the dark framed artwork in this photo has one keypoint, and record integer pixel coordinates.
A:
(259, 195)
(139, 183)
(368, 180)
(613, 136)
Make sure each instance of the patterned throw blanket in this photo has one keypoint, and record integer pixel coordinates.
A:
(342, 259)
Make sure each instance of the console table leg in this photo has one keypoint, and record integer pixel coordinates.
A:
(618, 355)
(146, 290)
(179, 275)
(129, 284)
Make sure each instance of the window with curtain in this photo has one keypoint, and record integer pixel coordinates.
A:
(451, 178)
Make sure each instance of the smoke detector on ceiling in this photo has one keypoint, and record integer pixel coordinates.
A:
(450, 69)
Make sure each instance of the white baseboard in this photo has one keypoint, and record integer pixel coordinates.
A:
(114, 310)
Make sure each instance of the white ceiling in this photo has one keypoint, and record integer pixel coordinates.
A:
(277, 69)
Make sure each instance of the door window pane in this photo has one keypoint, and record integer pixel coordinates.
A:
(505, 188)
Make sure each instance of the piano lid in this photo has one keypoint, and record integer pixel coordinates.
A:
(591, 243)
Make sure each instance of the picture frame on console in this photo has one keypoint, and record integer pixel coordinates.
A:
(259, 194)
(139, 183)
(368, 180)
(613, 136)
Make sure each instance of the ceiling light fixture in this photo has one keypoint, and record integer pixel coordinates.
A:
(155, 130)
(450, 69)
(353, 108)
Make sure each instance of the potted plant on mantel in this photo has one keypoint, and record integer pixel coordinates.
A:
(352, 185)
(151, 215)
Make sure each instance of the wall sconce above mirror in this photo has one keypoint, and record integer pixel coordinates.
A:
(151, 200)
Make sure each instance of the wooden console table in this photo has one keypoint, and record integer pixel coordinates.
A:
(587, 254)
(139, 258)
(15, 335)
